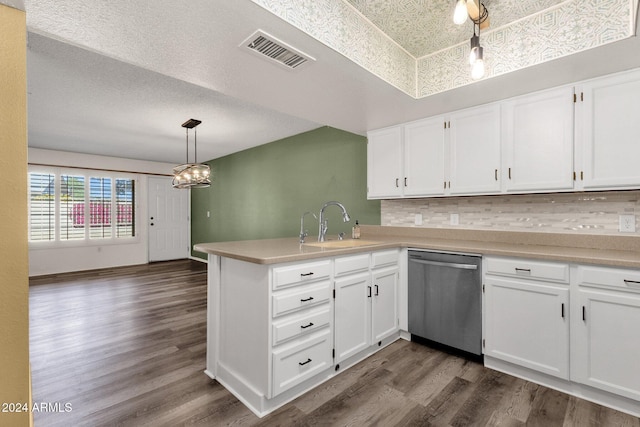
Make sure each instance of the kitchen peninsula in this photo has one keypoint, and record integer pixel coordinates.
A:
(284, 317)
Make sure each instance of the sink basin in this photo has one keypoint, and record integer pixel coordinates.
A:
(336, 244)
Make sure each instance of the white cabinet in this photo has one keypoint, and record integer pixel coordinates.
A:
(605, 330)
(353, 315)
(608, 129)
(366, 304)
(384, 320)
(424, 157)
(384, 163)
(475, 144)
(527, 314)
(538, 141)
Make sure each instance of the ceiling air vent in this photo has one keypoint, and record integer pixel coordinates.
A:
(267, 46)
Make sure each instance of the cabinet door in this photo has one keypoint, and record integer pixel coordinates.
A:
(385, 303)
(609, 128)
(352, 315)
(607, 345)
(384, 163)
(539, 141)
(474, 139)
(528, 324)
(424, 157)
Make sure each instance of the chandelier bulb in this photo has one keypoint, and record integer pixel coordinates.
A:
(460, 13)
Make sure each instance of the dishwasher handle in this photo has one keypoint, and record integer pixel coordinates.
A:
(446, 264)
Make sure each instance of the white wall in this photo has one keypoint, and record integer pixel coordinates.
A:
(44, 260)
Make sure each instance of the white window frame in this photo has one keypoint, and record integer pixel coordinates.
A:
(58, 172)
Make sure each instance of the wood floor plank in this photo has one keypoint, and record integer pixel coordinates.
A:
(127, 346)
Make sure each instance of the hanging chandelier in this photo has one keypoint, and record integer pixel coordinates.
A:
(479, 15)
(192, 175)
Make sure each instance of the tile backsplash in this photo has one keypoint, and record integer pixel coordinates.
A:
(586, 213)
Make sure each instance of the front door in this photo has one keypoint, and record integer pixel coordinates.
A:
(168, 221)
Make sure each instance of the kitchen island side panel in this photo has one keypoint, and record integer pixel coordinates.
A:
(244, 322)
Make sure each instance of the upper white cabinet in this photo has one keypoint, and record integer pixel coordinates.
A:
(474, 139)
(384, 163)
(608, 131)
(538, 141)
(424, 157)
(457, 154)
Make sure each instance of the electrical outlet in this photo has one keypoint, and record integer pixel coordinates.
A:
(454, 219)
(418, 219)
(627, 223)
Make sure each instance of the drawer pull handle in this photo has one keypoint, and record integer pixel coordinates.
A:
(369, 291)
(563, 310)
(304, 363)
(377, 293)
(584, 314)
(523, 270)
(306, 274)
(631, 282)
(306, 299)
(307, 326)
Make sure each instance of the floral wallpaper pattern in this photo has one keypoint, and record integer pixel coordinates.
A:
(387, 37)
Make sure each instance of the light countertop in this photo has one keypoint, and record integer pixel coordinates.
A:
(611, 250)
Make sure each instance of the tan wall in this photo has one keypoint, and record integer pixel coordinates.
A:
(14, 280)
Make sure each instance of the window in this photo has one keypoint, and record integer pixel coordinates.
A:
(80, 206)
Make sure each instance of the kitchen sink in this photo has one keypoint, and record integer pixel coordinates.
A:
(336, 244)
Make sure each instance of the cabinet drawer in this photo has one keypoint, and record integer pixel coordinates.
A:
(297, 326)
(606, 277)
(384, 258)
(302, 297)
(351, 264)
(293, 274)
(528, 269)
(294, 364)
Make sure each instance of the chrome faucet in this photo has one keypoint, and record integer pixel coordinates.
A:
(324, 224)
(304, 233)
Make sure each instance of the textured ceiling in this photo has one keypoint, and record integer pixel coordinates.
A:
(118, 78)
(423, 27)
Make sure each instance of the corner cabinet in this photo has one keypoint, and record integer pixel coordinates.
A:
(276, 331)
(384, 163)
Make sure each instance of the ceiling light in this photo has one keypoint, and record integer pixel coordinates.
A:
(192, 175)
(477, 68)
(479, 15)
(460, 13)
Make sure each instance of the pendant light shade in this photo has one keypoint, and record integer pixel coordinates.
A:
(192, 175)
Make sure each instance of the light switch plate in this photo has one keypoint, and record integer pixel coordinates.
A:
(454, 219)
(418, 220)
(627, 223)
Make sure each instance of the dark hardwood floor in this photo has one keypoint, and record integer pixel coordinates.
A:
(126, 346)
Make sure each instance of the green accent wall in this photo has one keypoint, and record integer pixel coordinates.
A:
(260, 193)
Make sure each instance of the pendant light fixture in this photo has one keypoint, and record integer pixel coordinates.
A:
(479, 15)
(192, 175)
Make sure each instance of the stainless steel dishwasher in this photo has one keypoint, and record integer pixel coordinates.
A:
(445, 299)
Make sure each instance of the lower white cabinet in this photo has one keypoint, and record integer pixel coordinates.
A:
(276, 331)
(353, 315)
(606, 330)
(527, 320)
(366, 306)
(574, 328)
(384, 303)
